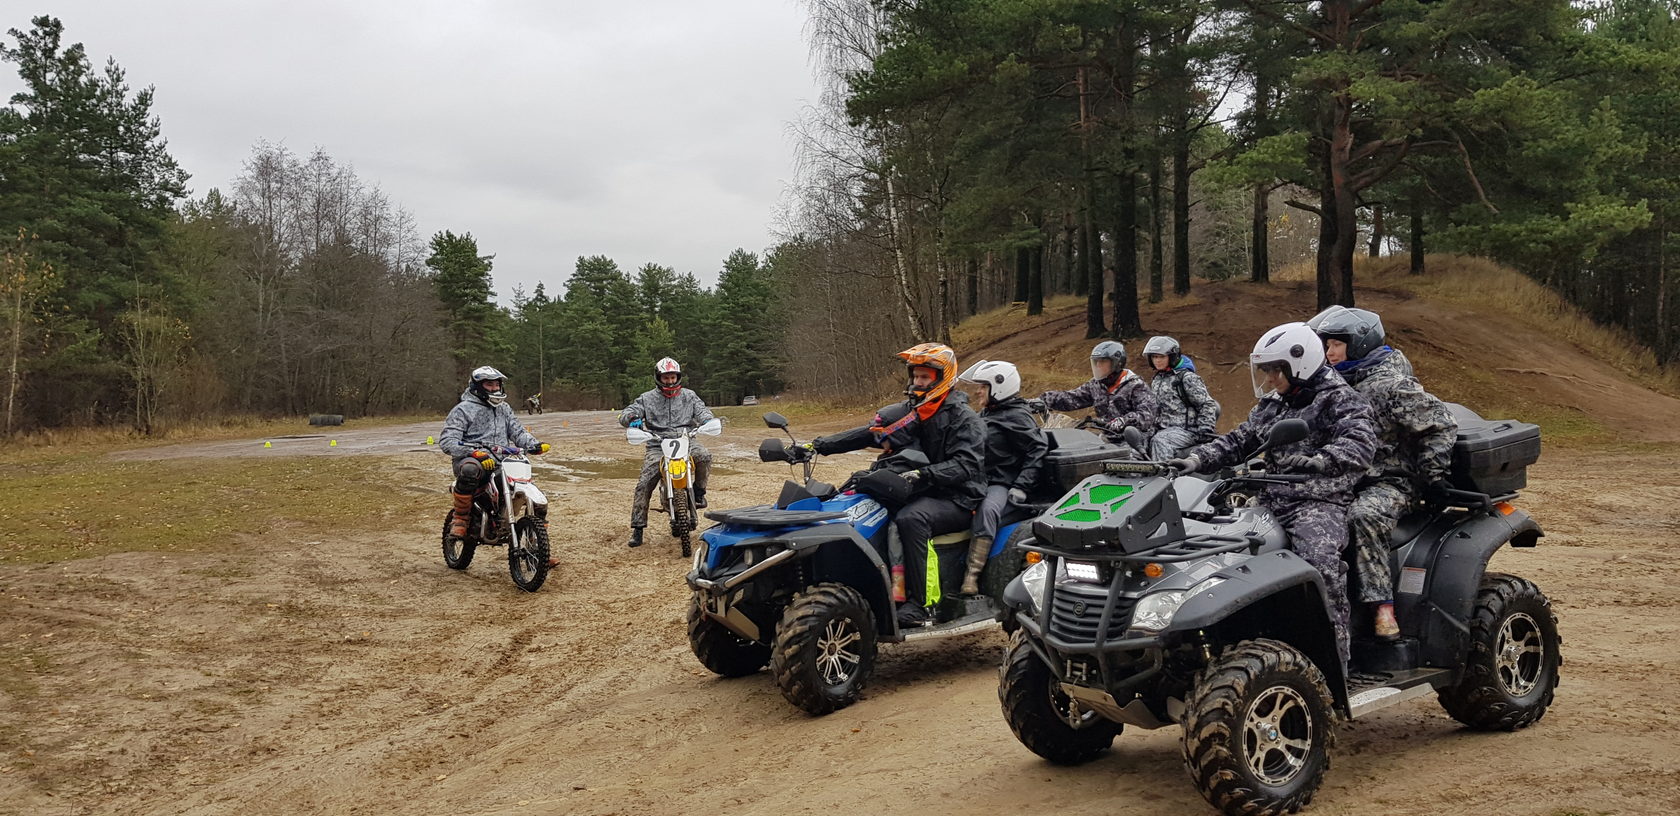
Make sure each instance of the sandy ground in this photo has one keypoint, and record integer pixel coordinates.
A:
(359, 675)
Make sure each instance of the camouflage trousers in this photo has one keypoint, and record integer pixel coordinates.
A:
(1318, 533)
(651, 475)
(1171, 443)
(1371, 519)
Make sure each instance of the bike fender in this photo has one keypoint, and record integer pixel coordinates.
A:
(1275, 595)
(836, 553)
(1002, 539)
(1441, 576)
(532, 494)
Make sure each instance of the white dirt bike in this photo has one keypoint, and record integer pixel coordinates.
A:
(507, 511)
(676, 483)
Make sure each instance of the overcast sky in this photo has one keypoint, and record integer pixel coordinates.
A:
(644, 130)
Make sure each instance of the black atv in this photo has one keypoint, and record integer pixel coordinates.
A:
(1160, 601)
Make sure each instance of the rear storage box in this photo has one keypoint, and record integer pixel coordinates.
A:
(1492, 455)
(1074, 454)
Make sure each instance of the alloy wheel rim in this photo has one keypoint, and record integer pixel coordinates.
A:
(1277, 735)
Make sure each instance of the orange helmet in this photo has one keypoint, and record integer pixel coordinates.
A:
(938, 357)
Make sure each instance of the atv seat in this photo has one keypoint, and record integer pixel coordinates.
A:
(765, 515)
(1408, 528)
(947, 539)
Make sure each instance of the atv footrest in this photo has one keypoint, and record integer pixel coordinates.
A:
(1368, 692)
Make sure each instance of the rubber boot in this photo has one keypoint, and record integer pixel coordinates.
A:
(463, 514)
(978, 550)
(635, 536)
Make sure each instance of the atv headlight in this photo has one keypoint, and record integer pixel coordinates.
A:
(1155, 611)
(1033, 581)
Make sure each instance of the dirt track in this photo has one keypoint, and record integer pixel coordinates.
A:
(359, 675)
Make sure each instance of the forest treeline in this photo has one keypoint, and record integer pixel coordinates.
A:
(964, 154)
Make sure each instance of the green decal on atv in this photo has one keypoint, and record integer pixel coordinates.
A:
(1111, 511)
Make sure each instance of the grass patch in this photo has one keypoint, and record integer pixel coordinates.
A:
(78, 507)
(1469, 281)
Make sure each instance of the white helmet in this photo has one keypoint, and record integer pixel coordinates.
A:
(484, 374)
(1292, 347)
(1003, 379)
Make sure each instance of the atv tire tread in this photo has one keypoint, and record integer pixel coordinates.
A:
(722, 651)
(1023, 686)
(794, 655)
(1478, 700)
(1213, 716)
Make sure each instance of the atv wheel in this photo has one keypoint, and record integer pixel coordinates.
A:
(527, 550)
(1008, 564)
(721, 650)
(1512, 668)
(1258, 729)
(458, 552)
(1043, 718)
(825, 648)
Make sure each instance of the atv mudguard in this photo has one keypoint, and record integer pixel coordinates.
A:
(1275, 595)
(1441, 573)
(836, 553)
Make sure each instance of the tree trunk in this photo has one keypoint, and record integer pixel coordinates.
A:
(1376, 230)
(973, 281)
(1071, 284)
(1417, 233)
(1035, 280)
(1023, 267)
(1259, 237)
(14, 353)
(1326, 255)
(1157, 232)
(1091, 249)
(943, 301)
(901, 265)
(1126, 321)
(1181, 215)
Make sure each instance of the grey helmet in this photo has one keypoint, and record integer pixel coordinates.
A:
(1164, 346)
(1113, 351)
(1361, 330)
(484, 374)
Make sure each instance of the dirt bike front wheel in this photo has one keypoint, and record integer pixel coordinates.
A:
(527, 550)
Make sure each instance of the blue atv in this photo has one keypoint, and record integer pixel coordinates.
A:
(806, 584)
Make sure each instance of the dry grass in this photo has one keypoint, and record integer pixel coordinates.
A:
(1468, 281)
(75, 506)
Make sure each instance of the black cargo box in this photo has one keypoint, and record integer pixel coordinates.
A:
(1492, 455)
(1075, 454)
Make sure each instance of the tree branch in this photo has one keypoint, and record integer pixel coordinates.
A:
(1470, 170)
(1301, 205)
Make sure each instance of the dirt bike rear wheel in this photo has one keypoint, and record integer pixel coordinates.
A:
(527, 552)
(457, 552)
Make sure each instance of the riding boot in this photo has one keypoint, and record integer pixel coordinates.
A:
(700, 497)
(635, 536)
(978, 549)
(1387, 627)
(462, 514)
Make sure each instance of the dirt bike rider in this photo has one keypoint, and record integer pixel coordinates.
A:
(1291, 379)
(1015, 448)
(476, 427)
(664, 411)
(1115, 394)
(1187, 412)
(1414, 452)
(942, 426)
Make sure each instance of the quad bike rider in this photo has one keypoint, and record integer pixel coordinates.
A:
(480, 425)
(1015, 448)
(949, 489)
(1183, 601)
(1187, 413)
(667, 410)
(1117, 396)
(1414, 454)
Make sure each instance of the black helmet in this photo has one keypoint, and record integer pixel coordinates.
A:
(1113, 351)
(482, 375)
(1361, 330)
(1164, 346)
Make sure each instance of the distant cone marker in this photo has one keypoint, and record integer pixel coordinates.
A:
(268, 444)
(333, 444)
(430, 441)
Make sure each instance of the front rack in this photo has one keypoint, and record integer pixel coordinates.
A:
(1196, 546)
